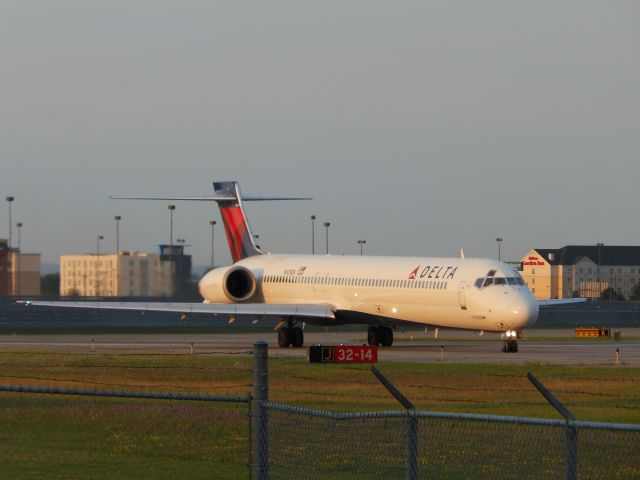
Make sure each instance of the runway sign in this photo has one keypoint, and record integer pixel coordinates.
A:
(343, 354)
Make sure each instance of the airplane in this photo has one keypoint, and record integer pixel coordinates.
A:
(383, 293)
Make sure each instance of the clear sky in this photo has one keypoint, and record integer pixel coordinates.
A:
(422, 127)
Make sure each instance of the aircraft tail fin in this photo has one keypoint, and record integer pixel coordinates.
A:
(236, 226)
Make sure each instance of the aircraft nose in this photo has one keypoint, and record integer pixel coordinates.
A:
(524, 311)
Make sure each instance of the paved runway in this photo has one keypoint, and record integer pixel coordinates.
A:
(543, 346)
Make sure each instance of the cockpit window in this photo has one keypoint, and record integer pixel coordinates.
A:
(491, 279)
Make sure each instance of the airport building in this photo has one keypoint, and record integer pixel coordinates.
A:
(124, 274)
(25, 273)
(19, 272)
(584, 271)
(5, 275)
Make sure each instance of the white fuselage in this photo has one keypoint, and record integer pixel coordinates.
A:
(439, 292)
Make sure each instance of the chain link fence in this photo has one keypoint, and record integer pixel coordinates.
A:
(377, 446)
(79, 434)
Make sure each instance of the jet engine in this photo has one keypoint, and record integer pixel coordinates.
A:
(234, 284)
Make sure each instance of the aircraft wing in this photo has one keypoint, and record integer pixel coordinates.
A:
(258, 309)
(552, 302)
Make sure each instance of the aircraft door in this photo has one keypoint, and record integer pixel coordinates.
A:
(462, 295)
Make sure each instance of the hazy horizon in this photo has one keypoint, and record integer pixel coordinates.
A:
(420, 127)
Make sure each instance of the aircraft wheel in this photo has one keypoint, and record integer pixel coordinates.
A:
(510, 346)
(386, 337)
(297, 337)
(284, 337)
(374, 336)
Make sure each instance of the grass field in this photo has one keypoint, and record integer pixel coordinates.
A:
(72, 437)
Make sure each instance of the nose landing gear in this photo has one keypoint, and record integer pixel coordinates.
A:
(510, 342)
(380, 336)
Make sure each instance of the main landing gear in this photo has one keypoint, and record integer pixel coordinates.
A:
(380, 336)
(291, 335)
(510, 342)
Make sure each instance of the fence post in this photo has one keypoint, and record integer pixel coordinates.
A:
(571, 430)
(571, 445)
(258, 413)
(412, 445)
(411, 428)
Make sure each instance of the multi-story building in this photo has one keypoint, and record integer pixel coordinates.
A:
(122, 274)
(5, 275)
(583, 271)
(19, 272)
(24, 273)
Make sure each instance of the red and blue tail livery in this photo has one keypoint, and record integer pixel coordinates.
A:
(236, 226)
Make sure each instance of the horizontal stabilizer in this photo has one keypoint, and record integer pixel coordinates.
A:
(209, 198)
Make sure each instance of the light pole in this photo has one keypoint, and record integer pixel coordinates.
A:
(117, 218)
(178, 270)
(100, 237)
(171, 209)
(10, 201)
(313, 234)
(213, 226)
(9, 280)
(19, 225)
(361, 242)
(499, 240)
(326, 226)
